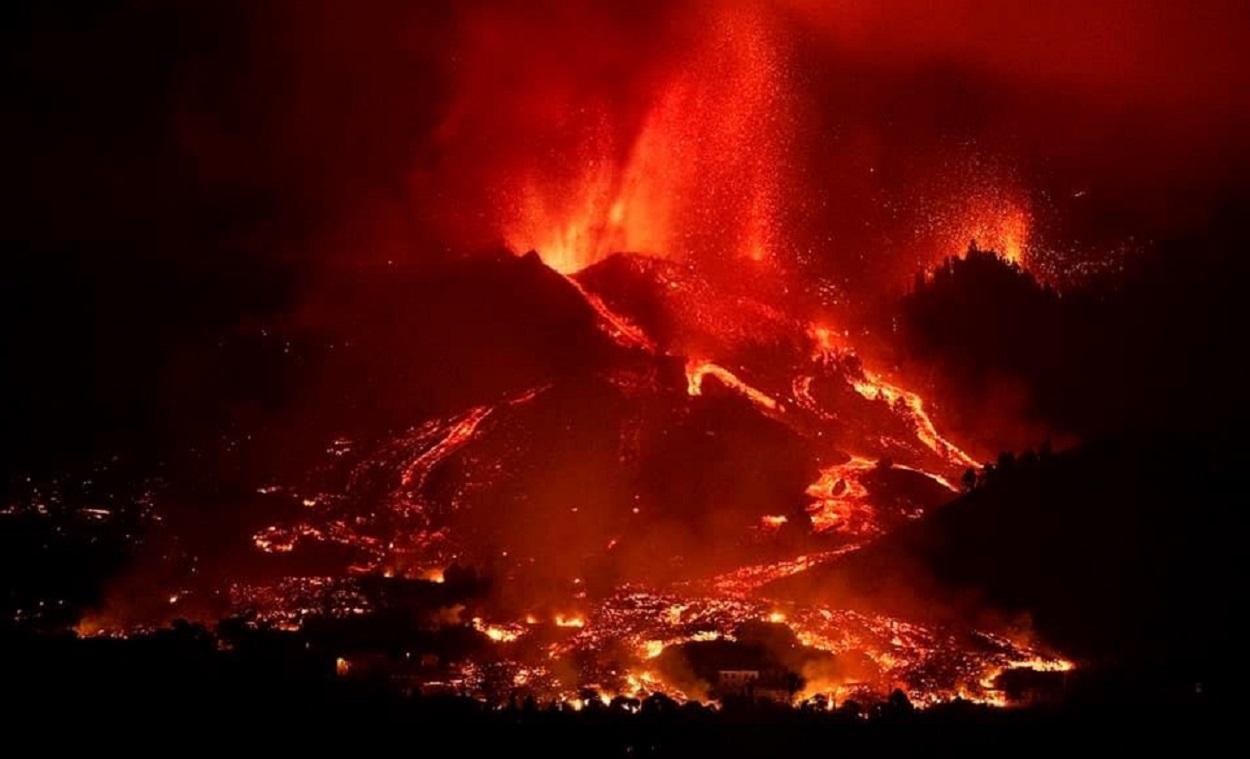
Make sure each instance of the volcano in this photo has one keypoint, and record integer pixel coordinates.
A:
(685, 362)
(616, 493)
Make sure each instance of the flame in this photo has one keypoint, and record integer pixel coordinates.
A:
(996, 220)
(773, 522)
(498, 633)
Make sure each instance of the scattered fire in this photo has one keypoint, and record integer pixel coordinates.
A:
(931, 663)
(433, 575)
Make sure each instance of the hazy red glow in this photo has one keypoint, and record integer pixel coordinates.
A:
(781, 169)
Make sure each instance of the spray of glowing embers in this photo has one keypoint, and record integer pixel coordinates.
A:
(622, 642)
(700, 174)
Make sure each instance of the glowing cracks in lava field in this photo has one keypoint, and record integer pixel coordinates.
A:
(620, 647)
(613, 641)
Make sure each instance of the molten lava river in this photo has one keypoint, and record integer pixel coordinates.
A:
(633, 528)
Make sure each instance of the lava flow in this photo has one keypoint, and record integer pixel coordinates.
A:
(604, 615)
(697, 370)
(601, 506)
(745, 484)
(470, 363)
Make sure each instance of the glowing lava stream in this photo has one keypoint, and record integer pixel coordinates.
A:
(409, 460)
(615, 326)
(458, 434)
(744, 581)
(932, 663)
(872, 387)
(696, 370)
(801, 391)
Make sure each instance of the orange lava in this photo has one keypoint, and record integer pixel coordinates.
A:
(696, 370)
(620, 329)
(842, 502)
(872, 386)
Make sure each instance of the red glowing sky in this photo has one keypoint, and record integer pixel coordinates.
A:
(859, 140)
(851, 142)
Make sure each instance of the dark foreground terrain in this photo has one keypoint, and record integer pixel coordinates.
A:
(270, 690)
